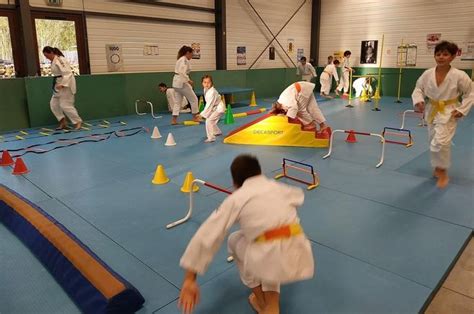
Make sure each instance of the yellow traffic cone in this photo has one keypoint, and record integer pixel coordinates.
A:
(363, 96)
(160, 176)
(253, 101)
(377, 94)
(188, 181)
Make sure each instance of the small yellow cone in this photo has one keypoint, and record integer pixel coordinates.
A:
(160, 176)
(186, 188)
(253, 101)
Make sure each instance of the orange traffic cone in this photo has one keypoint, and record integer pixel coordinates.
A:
(188, 181)
(20, 167)
(351, 138)
(6, 160)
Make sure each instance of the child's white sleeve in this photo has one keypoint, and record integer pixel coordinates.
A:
(66, 72)
(313, 70)
(298, 69)
(334, 73)
(182, 70)
(465, 86)
(209, 237)
(418, 94)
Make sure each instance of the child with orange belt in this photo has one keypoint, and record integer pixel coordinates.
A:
(270, 248)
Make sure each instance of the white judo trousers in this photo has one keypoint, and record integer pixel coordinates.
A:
(441, 125)
(62, 104)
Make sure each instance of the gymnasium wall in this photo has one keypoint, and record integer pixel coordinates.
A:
(134, 34)
(244, 28)
(345, 23)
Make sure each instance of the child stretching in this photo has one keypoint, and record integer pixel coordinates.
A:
(214, 109)
(344, 81)
(174, 99)
(270, 248)
(325, 79)
(298, 100)
(443, 85)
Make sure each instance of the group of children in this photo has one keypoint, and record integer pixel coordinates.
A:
(271, 249)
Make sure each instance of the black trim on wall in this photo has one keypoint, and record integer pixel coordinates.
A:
(174, 5)
(221, 38)
(315, 28)
(27, 39)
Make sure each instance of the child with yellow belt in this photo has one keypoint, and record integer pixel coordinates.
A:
(443, 86)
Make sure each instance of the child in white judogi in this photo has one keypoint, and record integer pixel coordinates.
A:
(325, 79)
(298, 100)
(346, 68)
(213, 110)
(443, 85)
(361, 84)
(64, 89)
(270, 248)
(182, 84)
(306, 70)
(174, 99)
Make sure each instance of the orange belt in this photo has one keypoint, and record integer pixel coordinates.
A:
(298, 87)
(282, 232)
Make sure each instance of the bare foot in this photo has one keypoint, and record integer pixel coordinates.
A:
(254, 303)
(174, 121)
(309, 128)
(62, 124)
(443, 180)
(78, 126)
(436, 172)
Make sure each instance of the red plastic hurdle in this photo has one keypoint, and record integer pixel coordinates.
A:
(311, 184)
(191, 203)
(382, 140)
(401, 133)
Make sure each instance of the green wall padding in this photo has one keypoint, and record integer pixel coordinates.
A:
(13, 105)
(25, 102)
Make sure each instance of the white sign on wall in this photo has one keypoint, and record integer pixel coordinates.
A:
(114, 57)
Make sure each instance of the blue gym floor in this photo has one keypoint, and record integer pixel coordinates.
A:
(383, 239)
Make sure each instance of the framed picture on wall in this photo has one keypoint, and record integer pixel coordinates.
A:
(241, 55)
(196, 50)
(368, 51)
(271, 53)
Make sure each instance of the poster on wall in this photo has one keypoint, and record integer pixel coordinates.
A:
(406, 55)
(241, 55)
(271, 53)
(467, 52)
(291, 45)
(299, 54)
(432, 40)
(113, 53)
(150, 50)
(368, 51)
(196, 50)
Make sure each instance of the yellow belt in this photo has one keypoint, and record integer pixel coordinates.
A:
(438, 106)
(286, 231)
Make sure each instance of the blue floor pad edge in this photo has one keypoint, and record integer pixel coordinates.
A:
(91, 284)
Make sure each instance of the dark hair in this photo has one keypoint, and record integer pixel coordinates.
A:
(56, 51)
(330, 57)
(303, 59)
(162, 85)
(448, 46)
(336, 62)
(244, 167)
(184, 50)
(207, 77)
(347, 53)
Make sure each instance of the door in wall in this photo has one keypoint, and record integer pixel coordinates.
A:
(65, 32)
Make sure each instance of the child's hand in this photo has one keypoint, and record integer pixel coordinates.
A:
(189, 296)
(191, 83)
(456, 114)
(420, 107)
